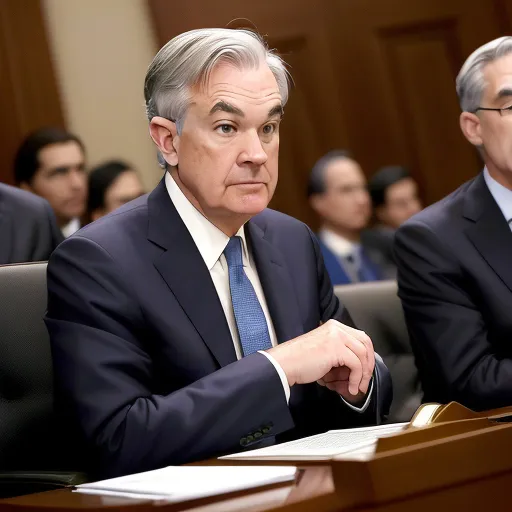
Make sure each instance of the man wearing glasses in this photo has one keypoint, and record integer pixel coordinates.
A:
(455, 258)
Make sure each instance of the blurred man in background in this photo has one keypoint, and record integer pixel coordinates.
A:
(455, 258)
(338, 194)
(395, 199)
(111, 185)
(28, 230)
(51, 163)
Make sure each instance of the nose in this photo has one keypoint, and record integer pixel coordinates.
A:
(77, 178)
(252, 150)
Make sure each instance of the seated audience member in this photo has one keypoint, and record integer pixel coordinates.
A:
(28, 230)
(455, 258)
(338, 194)
(198, 321)
(395, 199)
(111, 185)
(51, 163)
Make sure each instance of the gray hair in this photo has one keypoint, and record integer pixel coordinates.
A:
(470, 80)
(316, 183)
(188, 59)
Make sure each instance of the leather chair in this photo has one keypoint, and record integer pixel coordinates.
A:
(34, 446)
(377, 310)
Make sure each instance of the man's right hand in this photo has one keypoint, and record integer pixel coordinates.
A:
(334, 355)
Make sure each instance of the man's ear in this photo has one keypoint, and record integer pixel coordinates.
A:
(317, 203)
(470, 126)
(165, 136)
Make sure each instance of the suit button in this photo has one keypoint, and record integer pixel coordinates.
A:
(243, 441)
(257, 434)
(265, 430)
(250, 439)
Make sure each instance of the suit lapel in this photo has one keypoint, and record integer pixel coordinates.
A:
(276, 283)
(5, 232)
(185, 272)
(489, 231)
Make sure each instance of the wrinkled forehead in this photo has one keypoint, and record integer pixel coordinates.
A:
(251, 85)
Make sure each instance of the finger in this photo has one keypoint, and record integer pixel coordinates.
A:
(363, 339)
(349, 359)
(360, 351)
(336, 374)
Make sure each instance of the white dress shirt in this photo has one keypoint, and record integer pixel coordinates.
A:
(211, 242)
(71, 227)
(502, 195)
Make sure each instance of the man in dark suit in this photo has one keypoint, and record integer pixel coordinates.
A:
(338, 193)
(195, 322)
(455, 258)
(28, 229)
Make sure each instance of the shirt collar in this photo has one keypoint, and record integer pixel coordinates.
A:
(339, 245)
(501, 194)
(71, 227)
(209, 239)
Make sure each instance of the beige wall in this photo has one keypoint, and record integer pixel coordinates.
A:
(101, 50)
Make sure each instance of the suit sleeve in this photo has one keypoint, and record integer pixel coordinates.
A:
(102, 355)
(448, 332)
(330, 307)
(47, 233)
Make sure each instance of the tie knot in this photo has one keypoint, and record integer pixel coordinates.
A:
(233, 252)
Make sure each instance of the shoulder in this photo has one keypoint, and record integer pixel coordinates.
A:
(442, 216)
(15, 198)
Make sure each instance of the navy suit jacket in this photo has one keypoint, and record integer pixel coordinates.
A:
(28, 229)
(455, 281)
(143, 356)
(336, 271)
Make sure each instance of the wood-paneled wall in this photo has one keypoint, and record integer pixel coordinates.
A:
(376, 77)
(29, 96)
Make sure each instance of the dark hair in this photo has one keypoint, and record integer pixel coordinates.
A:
(100, 179)
(316, 183)
(382, 180)
(26, 161)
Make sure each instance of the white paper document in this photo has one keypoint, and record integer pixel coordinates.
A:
(346, 443)
(182, 483)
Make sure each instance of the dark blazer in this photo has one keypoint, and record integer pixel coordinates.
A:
(143, 355)
(336, 271)
(455, 281)
(28, 229)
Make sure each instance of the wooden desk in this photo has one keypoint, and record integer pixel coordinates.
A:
(313, 493)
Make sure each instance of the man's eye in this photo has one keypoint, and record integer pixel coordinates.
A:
(268, 129)
(226, 129)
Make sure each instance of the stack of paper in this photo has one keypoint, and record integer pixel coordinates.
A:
(183, 483)
(347, 443)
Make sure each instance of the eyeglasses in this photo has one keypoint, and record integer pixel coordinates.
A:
(507, 111)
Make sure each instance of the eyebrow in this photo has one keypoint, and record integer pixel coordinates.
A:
(223, 106)
(504, 93)
(277, 110)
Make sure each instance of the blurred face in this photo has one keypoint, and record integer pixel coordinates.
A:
(123, 189)
(345, 205)
(402, 202)
(225, 159)
(490, 129)
(61, 180)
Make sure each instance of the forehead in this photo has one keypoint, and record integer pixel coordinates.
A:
(498, 74)
(239, 86)
(405, 186)
(343, 171)
(62, 153)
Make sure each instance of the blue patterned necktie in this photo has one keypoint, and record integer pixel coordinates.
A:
(250, 319)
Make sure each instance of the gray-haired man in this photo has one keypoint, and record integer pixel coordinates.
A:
(455, 258)
(195, 321)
